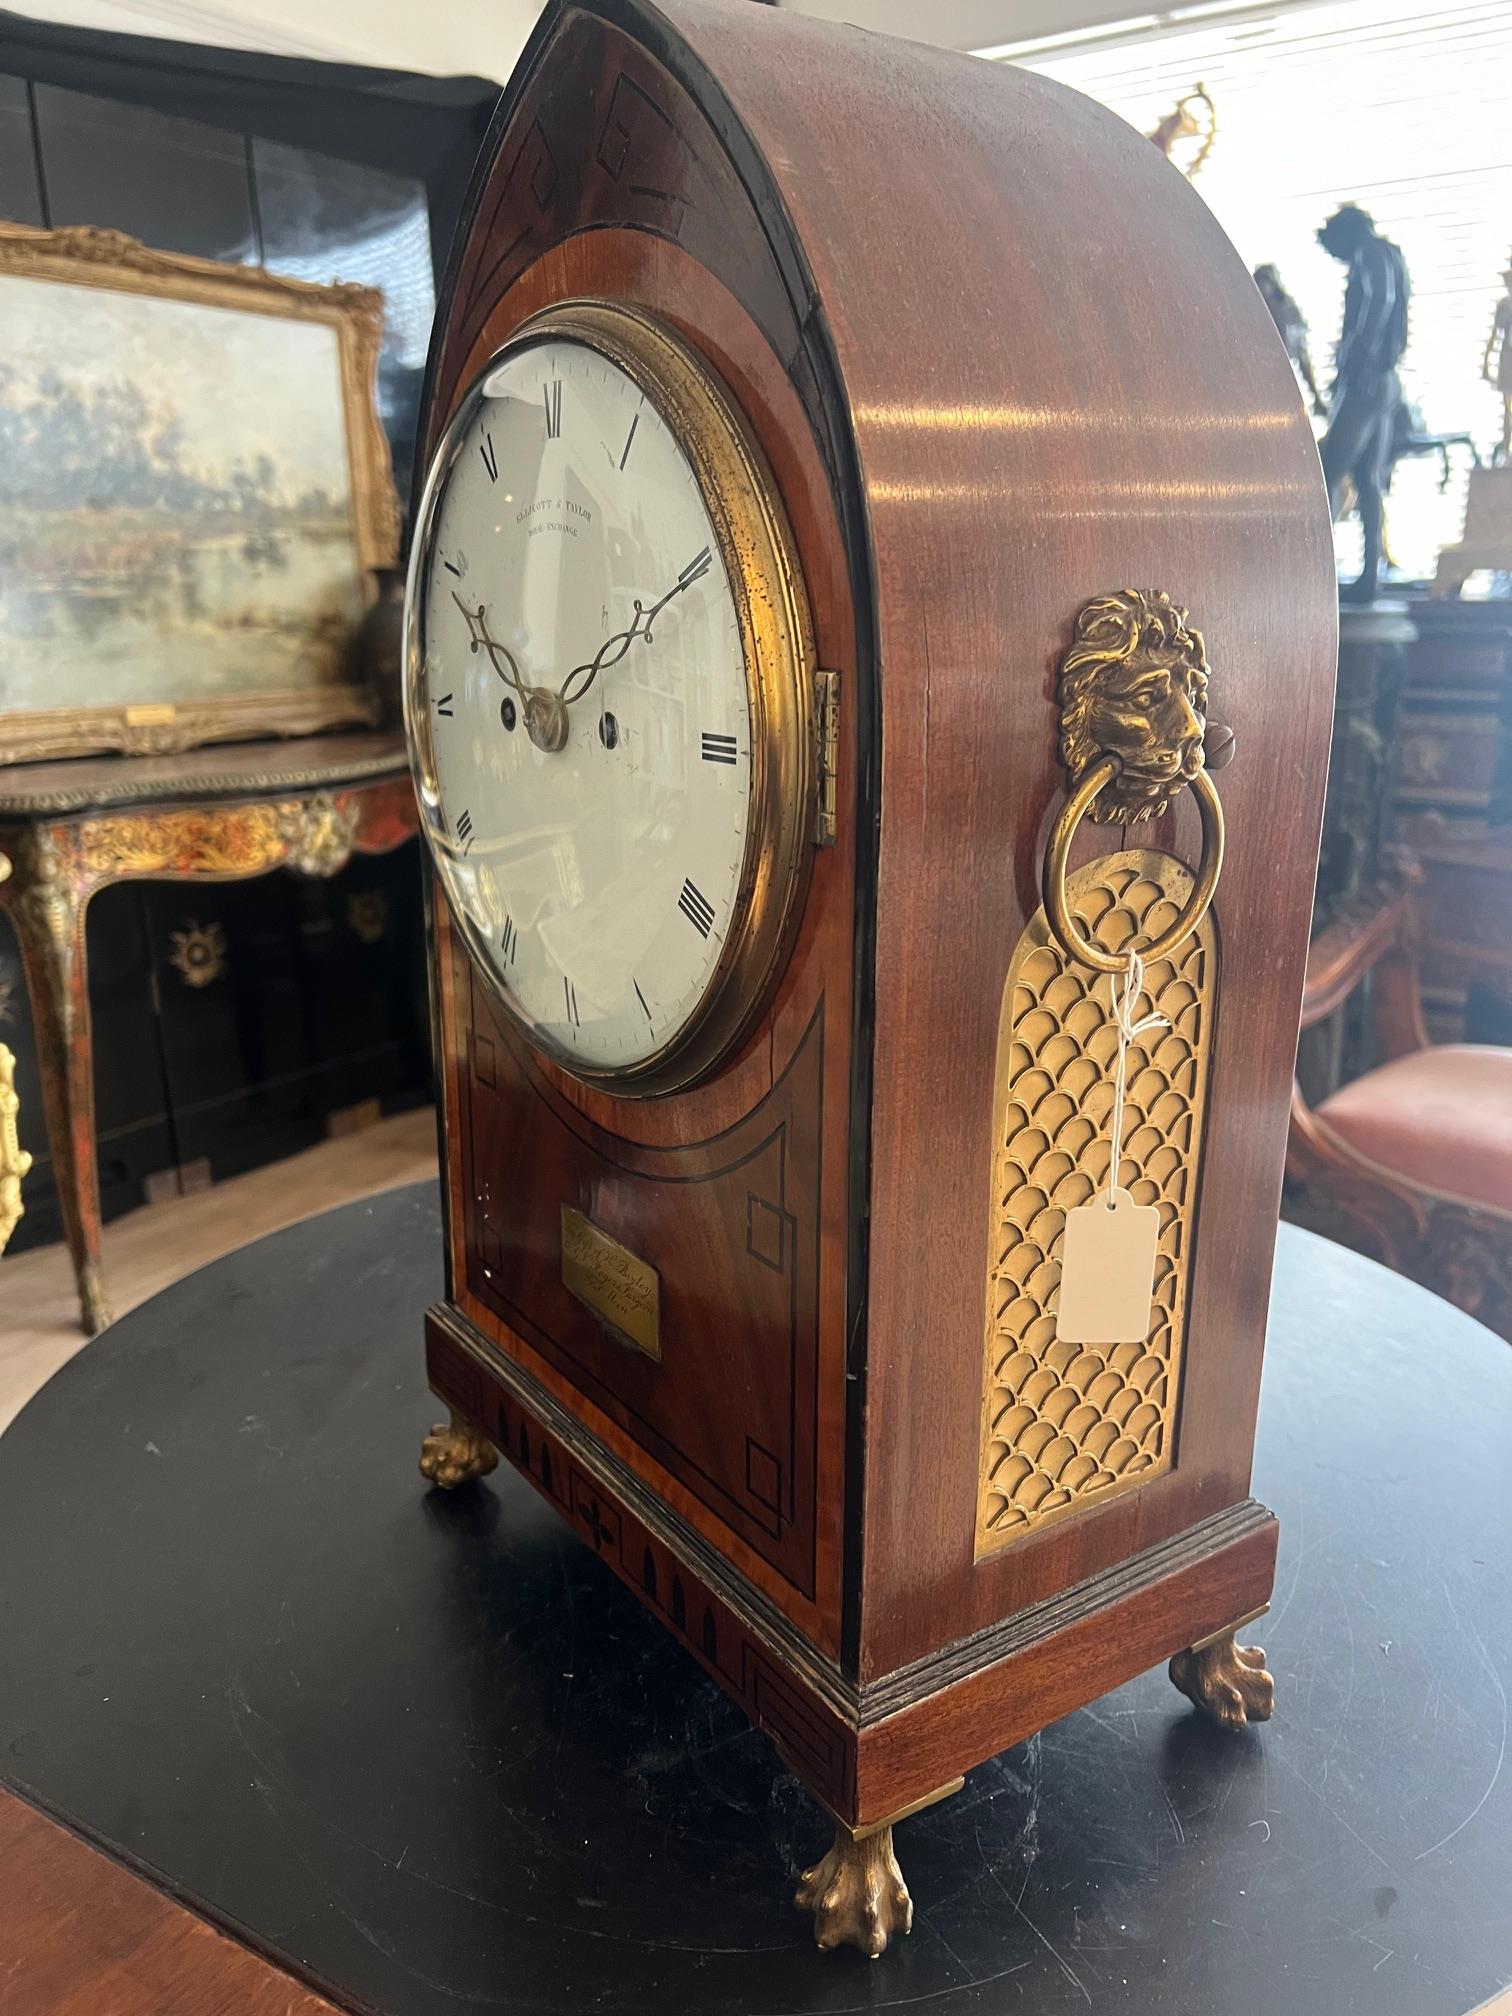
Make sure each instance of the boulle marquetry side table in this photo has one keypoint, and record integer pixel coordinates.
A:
(215, 815)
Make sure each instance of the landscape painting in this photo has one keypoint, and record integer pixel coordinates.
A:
(178, 526)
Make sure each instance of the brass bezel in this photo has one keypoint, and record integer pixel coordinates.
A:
(766, 585)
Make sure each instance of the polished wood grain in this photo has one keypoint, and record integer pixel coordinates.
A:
(868, 1752)
(81, 1936)
(764, 1475)
(1115, 1627)
(729, 1407)
(520, 1149)
(742, 1641)
(1061, 381)
(1000, 359)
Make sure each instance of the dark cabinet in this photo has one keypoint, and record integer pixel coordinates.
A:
(234, 1023)
(237, 1022)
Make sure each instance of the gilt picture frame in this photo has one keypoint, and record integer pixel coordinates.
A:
(195, 491)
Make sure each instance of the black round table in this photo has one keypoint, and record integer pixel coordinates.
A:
(426, 1750)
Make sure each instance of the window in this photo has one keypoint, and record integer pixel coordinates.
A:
(1389, 106)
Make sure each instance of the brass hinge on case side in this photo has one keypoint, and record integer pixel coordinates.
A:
(827, 722)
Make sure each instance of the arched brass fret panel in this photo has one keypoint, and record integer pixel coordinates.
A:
(1070, 1425)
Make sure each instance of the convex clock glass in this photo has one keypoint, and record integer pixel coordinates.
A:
(608, 697)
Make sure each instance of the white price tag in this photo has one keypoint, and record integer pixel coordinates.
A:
(1107, 1271)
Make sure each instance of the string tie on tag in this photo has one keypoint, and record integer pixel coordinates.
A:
(1124, 993)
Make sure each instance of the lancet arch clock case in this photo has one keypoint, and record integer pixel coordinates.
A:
(867, 501)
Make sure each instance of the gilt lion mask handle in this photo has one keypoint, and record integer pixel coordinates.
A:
(1133, 714)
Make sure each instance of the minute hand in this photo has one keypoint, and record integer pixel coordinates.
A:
(614, 648)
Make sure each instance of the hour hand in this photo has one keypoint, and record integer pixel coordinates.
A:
(477, 625)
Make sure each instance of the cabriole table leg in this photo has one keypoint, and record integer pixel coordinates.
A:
(47, 904)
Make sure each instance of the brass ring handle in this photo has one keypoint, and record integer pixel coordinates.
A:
(1057, 903)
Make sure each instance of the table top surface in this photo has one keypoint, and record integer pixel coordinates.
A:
(427, 1750)
(37, 791)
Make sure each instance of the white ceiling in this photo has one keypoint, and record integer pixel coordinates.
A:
(447, 37)
(976, 24)
(485, 36)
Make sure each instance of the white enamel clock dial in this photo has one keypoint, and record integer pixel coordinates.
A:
(579, 694)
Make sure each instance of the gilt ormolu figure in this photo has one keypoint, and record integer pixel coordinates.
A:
(1193, 117)
(1366, 391)
(14, 1160)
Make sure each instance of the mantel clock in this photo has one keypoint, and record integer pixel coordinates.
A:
(867, 503)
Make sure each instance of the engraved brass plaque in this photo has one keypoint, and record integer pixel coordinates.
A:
(616, 1284)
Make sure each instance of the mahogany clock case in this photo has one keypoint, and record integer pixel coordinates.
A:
(999, 360)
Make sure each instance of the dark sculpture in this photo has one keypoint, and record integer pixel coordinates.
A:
(1496, 365)
(1366, 392)
(1292, 324)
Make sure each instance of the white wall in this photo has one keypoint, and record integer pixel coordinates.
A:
(485, 36)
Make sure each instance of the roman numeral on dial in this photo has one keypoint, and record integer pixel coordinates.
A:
(490, 459)
(719, 748)
(569, 995)
(465, 829)
(697, 908)
(444, 706)
(552, 395)
(509, 941)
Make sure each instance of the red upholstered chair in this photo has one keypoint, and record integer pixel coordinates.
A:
(1411, 1163)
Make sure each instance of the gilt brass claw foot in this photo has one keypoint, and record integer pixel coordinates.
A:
(1226, 1680)
(454, 1453)
(857, 1893)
